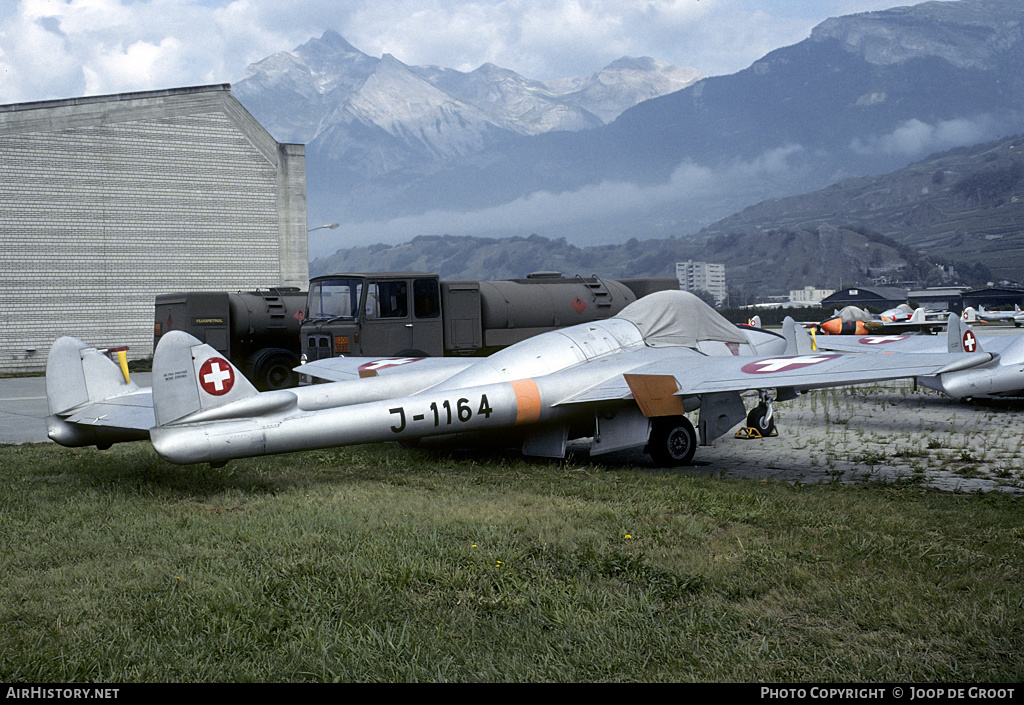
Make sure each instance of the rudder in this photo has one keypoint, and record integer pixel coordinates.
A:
(189, 376)
(77, 373)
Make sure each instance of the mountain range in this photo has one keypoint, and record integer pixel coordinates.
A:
(374, 117)
(395, 151)
(954, 217)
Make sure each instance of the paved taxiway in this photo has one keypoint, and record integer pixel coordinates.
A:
(23, 408)
(886, 432)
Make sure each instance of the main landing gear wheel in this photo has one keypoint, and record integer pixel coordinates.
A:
(672, 442)
(762, 419)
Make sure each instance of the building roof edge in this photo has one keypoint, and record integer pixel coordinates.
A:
(138, 95)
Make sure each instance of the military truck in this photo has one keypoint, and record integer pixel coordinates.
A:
(257, 330)
(415, 314)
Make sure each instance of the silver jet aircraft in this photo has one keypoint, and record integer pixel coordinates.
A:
(624, 382)
(983, 315)
(1003, 375)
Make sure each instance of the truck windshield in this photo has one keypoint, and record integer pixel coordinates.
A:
(334, 298)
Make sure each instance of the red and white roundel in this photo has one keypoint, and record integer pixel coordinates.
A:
(784, 364)
(881, 339)
(216, 377)
(970, 342)
(389, 362)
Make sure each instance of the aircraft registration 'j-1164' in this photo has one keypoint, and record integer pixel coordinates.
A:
(625, 382)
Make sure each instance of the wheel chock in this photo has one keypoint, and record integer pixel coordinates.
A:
(751, 432)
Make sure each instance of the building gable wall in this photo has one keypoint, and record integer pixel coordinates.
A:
(108, 202)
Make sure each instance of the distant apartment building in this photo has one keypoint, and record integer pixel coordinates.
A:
(111, 200)
(702, 276)
(809, 296)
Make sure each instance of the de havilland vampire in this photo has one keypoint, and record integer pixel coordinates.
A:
(625, 382)
(1003, 375)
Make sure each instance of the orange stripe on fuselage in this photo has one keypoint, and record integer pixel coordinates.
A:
(527, 401)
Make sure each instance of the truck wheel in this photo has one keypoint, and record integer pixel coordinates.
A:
(273, 370)
(673, 441)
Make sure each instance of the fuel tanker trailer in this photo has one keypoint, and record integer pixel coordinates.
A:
(257, 330)
(415, 314)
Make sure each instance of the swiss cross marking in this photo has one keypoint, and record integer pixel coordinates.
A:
(970, 342)
(216, 377)
(390, 362)
(784, 364)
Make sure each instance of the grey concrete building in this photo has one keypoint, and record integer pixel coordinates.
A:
(703, 276)
(108, 201)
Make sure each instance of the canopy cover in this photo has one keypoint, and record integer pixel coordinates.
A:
(667, 318)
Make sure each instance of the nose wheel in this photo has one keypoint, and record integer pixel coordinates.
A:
(760, 420)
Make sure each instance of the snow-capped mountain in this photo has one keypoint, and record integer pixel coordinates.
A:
(376, 116)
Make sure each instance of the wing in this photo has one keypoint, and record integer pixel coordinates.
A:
(882, 343)
(695, 374)
(344, 369)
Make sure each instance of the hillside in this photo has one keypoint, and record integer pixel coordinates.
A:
(965, 206)
(757, 264)
(963, 209)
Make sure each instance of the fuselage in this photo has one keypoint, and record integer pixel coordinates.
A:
(518, 386)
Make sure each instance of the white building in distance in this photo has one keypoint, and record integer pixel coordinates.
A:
(809, 296)
(703, 276)
(111, 200)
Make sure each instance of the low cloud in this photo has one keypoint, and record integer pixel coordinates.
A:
(698, 189)
(51, 49)
(914, 138)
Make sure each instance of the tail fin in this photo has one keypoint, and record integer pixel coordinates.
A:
(754, 322)
(970, 315)
(91, 400)
(189, 376)
(798, 341)
(918, 316)
(77, 373)
(960, 337)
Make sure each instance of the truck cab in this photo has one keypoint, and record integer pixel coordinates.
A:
(414, 314)
(384, 314)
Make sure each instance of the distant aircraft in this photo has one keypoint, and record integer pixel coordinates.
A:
(853, 320)
(982, 315)
(1003, 375)
(625, 382)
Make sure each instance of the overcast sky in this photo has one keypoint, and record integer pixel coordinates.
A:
(69, 48)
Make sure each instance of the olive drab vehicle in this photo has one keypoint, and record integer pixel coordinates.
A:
(414, 314)
(258, 331)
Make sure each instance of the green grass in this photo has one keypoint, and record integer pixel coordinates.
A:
(383, 564)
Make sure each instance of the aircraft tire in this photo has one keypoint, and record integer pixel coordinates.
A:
(673, 441)
(756, 419)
